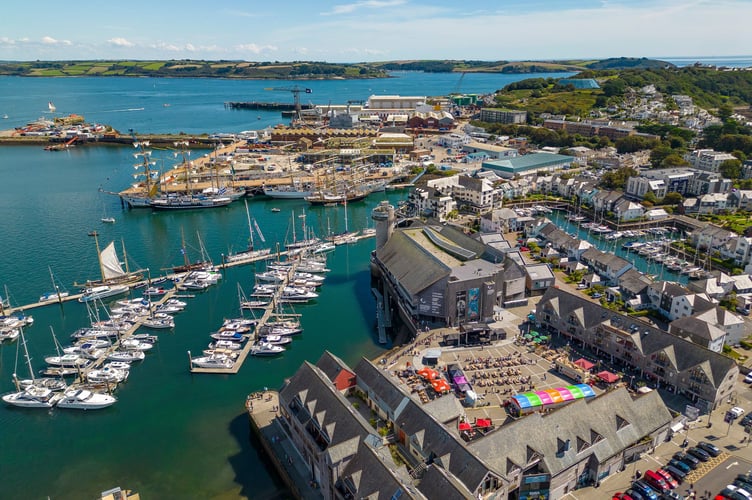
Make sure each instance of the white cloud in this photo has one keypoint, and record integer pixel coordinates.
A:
(254, 48)
(121, 42)
(48, 40)
(349, 8)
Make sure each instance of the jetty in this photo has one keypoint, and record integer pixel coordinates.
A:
(269, 310)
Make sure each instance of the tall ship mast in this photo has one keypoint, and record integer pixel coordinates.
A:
(149, 187)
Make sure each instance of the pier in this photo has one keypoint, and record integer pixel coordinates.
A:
(266, 106)
(252, 337)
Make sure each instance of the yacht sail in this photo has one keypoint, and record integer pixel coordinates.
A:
(111, 268)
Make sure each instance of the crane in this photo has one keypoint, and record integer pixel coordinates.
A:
(296, 91)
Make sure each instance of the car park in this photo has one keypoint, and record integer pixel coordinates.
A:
(688, 459)
(709, 448)
(668, 478)
(699, 454)
(645, 490)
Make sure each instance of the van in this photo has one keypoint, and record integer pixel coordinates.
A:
(656, 481)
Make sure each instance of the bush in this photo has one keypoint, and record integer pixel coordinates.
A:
(745, 344)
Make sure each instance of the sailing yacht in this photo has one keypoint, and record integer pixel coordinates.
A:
(112, 271)
(33, 394)
(250, 252)
(146, 188)
(56, 295)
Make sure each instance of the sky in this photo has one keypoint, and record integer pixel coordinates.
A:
(373, 30)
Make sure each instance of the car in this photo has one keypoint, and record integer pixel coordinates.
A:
(582, 286)
(597, 295)
(739, 490)
(621, 496)
(668, 478)
(656, 481)
(677, 473)
(678, 464)
(747, 420)
(699, 454)
(747, 478)
(671, 495)
(732, 494)
(524, 249)
(737, 411)
(634, 494)
(743, 486)
(688, 459)
(709, 448)
(748, 378)
(644, 489)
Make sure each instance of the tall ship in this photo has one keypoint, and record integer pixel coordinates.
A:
(147, 186)
(211, 197)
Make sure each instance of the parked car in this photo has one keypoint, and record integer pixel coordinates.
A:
(748, 378)
(709, 448)
(678, 464)
(747, 420)
(747, 478)
(597, 295)
(655, 481)
(669, 479)
(732, 494)
(671, 495)
(634, 494)
(676, 472)
(744, 494)
(644, 489)
(699, 454)
(737, 411)
(743, 487)
(688, 459)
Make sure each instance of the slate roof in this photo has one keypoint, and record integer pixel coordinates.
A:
(382, 383)
(591, 427)
(345, 427)
(414, 267)
(436, 483)
(331, 365)
(603, 259)
(376, 477)
(696, 326)
(634, 282)
(443, 447)
(683, 353)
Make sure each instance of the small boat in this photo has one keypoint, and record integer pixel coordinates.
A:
(127, 356)
(254, 304)
(159, 323)
(117, 365)
(92, 233)
(213, 361)
(275, 210)
(33, 397)
(82, 399)
(67, 361)
(51, 383)
(136, 345)
(101, 292)
(107, 374)
(48, 296)
(279, 330)
(225, 344)
(229, 335)
(153, 291)
(266, 349)
(276, 339)
(59, 371)
(108, 220)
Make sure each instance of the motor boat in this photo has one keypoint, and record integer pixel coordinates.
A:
(118, 365)
(128, 356)
(108, 375)
(82, 399)
(276, 339)
(266, 349)
(229, 335)
(67, 361)
(101, 292)
(51, 383)
(225, 344)
(135, 345)
(283, 331)
(159, 323)
(213, 361)
(33, 397)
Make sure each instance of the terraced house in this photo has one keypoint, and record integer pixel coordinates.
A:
(704, 376)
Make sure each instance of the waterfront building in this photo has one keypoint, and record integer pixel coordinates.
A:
(627, 210)
(438, 274)
(528, 164)
(705, 377)
(430, 202)
(500, 220)
(454, 141)
(394, 102)
(488, 151)
(507, 116)
(711, 237)
(740, 199)
(471, 193)
(607, 265)
(632, 290)
(538, 278)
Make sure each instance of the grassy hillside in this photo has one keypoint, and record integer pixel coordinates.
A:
(194, 69)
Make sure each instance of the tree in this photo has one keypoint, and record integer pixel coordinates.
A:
(673, 198)
(673, 160)
(650, 197)
(731, 169)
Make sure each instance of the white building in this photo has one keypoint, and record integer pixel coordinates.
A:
(707, 159)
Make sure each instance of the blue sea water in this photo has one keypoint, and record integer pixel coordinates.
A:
(171, 435)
